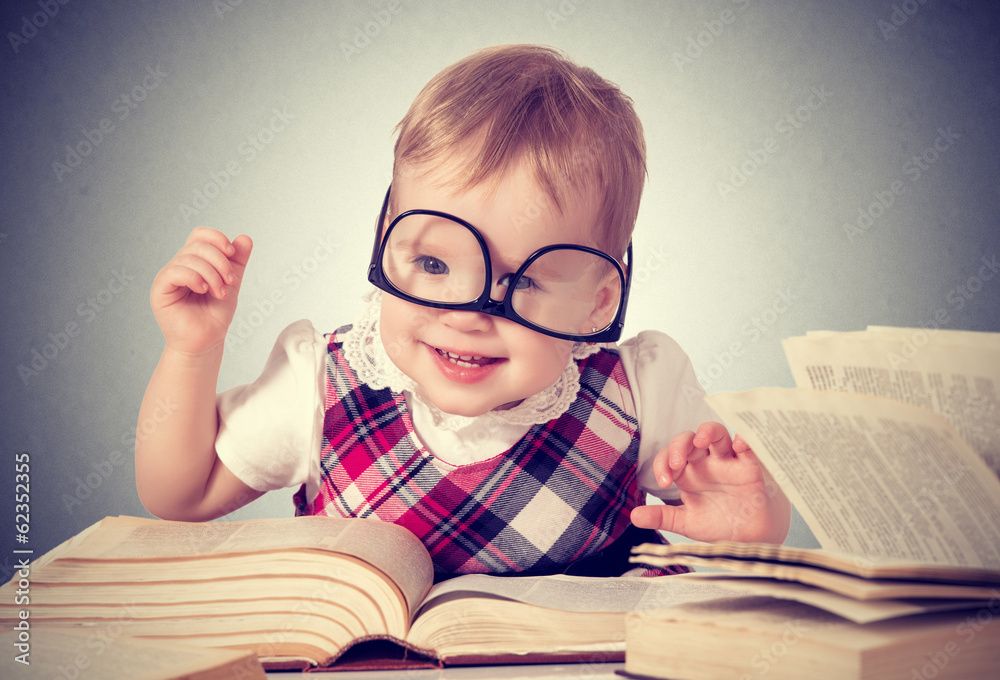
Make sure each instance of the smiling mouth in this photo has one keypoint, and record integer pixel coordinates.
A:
(466, 360)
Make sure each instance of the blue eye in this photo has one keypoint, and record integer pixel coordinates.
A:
(431, 265)
(523, 283)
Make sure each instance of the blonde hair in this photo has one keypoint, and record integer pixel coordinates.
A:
(515, 103)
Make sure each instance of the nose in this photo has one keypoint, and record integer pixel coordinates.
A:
(465, 321)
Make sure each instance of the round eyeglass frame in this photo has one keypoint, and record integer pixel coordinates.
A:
(484, 304)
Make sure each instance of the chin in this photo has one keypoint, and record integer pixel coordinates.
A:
(456, 405)
(461, 407)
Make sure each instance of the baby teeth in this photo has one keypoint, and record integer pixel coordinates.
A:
(462, 359)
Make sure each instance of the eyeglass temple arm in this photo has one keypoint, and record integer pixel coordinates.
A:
(628, 286)
(378, 229)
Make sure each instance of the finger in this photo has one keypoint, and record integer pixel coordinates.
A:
(662, 517)
(679, 452)
(177, 277)
(747, 454)
(219, 260)
(211, 236)
(740, 445)
(222, 272)
(684, 450)
(714, 437)
(242, 247)
(209, 274)
(661, 471)
(696, 454)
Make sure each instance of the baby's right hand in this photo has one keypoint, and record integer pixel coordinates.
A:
(194, 296)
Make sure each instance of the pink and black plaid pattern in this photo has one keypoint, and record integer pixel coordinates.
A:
(561, 493)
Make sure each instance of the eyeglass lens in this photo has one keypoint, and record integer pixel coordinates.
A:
(566, 290)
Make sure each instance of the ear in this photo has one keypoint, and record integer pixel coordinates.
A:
(609, 294)
(384, 215)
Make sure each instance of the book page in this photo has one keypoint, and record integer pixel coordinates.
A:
(953, 373)
(859, 611)
(873, 477)
(60, 550)
(395, 551)
(579, 593)
(751, 624)
(842, 583)
(137, 538)
(825, 560)
(389, 548)
(60, 653)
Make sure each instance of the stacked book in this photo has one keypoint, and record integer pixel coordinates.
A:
(889, 447)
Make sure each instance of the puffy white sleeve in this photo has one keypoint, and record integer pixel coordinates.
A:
(668, 399)
(271, 430)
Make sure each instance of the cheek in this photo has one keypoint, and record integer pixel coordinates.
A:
(544, 358)
(399, 324)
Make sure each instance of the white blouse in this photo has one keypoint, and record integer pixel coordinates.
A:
(271, 430)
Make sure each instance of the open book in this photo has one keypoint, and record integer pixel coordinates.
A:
(778, 639)
(890, 449)
(51, 653)
(300, 592)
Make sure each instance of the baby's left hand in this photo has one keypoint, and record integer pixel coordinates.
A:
(725, 492)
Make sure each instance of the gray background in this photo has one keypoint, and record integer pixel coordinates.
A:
(868, 85)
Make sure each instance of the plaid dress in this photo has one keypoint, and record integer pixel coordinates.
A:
(561, 494)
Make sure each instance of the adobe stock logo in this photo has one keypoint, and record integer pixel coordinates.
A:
(221, 7)
(60, 340)
(371, 29)
(711, 31)
(566, 9)
(31, 24)
(886, 196)
(248, 150)
(898, 17)
(245, 323)
(122, 107)
(754, 328)
(788, 126)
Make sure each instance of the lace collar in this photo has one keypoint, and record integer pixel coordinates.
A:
(367, 356)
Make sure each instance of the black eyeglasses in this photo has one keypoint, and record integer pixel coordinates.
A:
(566, 291)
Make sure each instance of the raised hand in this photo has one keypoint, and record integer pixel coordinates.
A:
(725, 493)
(194, 296)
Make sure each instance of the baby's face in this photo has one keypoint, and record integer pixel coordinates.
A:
(504, 362)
